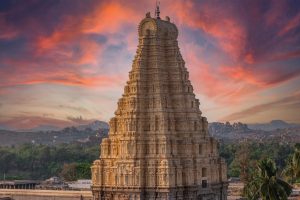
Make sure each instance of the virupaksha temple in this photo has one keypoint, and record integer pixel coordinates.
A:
(159, 146)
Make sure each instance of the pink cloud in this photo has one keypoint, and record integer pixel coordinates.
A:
(245, 39)
(105, 18)
(233, 50)
(240, 73)
(215, 21)
(259, 77)
(283, 103)
(65, 78)
(7, 31)
(292, 24)
(218, 84)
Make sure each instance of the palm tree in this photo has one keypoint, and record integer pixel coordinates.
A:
(292, 170)
(265, 184)
(296, 162)
(289, 171)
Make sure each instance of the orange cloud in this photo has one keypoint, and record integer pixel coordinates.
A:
(30, 76)
(218, 83)
(74, 31)
(104, 19)
(260, 77)
(76, 80)
(234, 52)
(108, 18)
(90, 51)
(239, 73)
(233, 31)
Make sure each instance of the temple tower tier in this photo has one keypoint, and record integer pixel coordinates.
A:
(158, 145)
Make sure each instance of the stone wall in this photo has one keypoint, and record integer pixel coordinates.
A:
(45, 194)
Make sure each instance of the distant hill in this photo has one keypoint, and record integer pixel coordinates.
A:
(218, 128)
(237, 132)
(42, 128)
(82, 133)
(273, 125)
(95, 131)
(94, 125)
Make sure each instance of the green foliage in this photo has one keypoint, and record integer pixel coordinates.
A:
(265, 184)
(292, 169)
(31, 161)
(83, 170)
(234, 169)
(68, 172)
(74, 171)
(243, 156)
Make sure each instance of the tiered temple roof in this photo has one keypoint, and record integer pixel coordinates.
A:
(158, 145)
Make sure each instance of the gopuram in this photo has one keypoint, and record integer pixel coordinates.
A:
(159, 146)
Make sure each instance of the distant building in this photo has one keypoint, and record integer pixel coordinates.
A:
(53, 183)
(18, 184)
(82, 184)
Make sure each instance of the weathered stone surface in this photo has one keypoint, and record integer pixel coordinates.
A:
(158, 145)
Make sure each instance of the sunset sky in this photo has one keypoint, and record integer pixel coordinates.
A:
(65, 62)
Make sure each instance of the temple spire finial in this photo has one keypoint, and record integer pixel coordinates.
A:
(157, 11)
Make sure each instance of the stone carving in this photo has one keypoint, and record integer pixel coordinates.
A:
(158, 137)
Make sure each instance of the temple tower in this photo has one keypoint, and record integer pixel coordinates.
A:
(158, 145)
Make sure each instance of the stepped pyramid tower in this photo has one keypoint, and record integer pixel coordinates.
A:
(158, 145)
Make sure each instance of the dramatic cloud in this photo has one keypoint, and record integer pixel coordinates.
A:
(66, 53)
(215, 19)
(254, 39)
(237, 52)
(281, 103)
(65, 79)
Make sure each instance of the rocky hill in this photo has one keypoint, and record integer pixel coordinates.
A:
(95, 131)
(238, 132)
(272, 125)
(218, 128)
(83, 133)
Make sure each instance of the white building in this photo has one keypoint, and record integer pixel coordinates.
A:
(80, 184)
